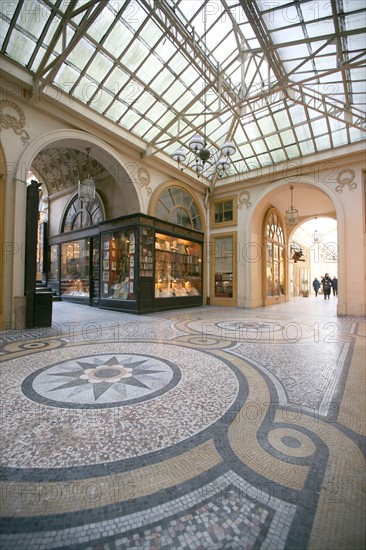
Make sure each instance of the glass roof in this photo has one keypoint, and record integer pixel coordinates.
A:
(281, 79)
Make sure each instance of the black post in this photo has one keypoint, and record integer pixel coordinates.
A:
(31, 251)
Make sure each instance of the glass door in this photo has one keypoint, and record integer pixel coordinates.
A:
(223, 273)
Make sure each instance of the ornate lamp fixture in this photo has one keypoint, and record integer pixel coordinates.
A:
(292, 215)
(317, 238)
(202, 159)
(86, 187)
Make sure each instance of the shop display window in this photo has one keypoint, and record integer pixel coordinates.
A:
(119, 265)
(75, 268)
(53, 263)
(178, 267)
(146, 251)
(224, 266)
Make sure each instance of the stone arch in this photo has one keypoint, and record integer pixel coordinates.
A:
(254, 222)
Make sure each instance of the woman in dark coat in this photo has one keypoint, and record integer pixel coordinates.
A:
(327, 285)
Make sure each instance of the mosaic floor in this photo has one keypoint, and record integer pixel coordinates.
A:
(208, 428)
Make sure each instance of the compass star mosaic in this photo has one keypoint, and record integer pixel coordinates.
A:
(103, 380)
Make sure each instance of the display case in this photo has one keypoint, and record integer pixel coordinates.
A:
(149, 264)
(178, 267)
(75, 268)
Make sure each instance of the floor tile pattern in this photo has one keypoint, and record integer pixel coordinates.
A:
(208, 428)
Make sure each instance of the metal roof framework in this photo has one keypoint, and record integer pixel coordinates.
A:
(283, 79)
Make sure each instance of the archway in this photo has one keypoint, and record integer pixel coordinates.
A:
(311, 200)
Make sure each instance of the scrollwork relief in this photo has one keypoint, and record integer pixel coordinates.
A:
(244, 199)
(12, 116)
(144, 180)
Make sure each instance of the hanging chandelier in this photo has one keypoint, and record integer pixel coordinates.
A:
(292, 215)
(86, 187)
(317, 238)
(203, 161)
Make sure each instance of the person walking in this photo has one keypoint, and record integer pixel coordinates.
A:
(327, 285)
(335, 286)
(316, 286)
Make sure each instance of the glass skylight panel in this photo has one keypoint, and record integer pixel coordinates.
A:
(149, 69)
(320, 28)
(178, 63)
(278, 18)
(4, 26)
(32, 17)
(307, 147)
(151, 33)
(266, 125)
(66, 78)
(302, 132)
(134, 14)
(165, 49)
(278, 155)
(99, 67)
(135, 55)
(183, 101)
(339, 138)
(116, 110)
(162, 81)
(259, 146)
(85, 90)
(273, 142)
(356, 134)
(319, 126)
(156, 111)
(287, 137)
(292, 151)
(118, 39)
(227, 46)
(144, 102)
(252, 130)
(81, 53)
(322, 142)
(116, 80)
(129, 119)
(102, 100)
(312, 11)
(297, 114)
(292, 35)
(265, 159)
(20, 47)
(175, 91)
(356, 21)
(101, 24)
(294, 51)
(141, 127)
(189, 76)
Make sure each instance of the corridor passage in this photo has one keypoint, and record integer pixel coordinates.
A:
(208, 428)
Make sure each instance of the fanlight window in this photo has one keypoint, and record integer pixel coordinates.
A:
(81, 214)
(177, 206)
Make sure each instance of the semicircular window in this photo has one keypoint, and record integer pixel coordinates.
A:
(79, 214)
(178, 206)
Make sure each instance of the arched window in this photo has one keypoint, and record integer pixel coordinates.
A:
(177, 206)
(79, 214)
(275, 255)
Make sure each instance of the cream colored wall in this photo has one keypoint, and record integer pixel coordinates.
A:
(46, 122)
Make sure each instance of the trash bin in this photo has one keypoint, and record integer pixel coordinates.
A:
(43, 309)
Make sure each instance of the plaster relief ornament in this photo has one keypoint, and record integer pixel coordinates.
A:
(12, 116)
(244, 199)
(346, 178)
(144, 179)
